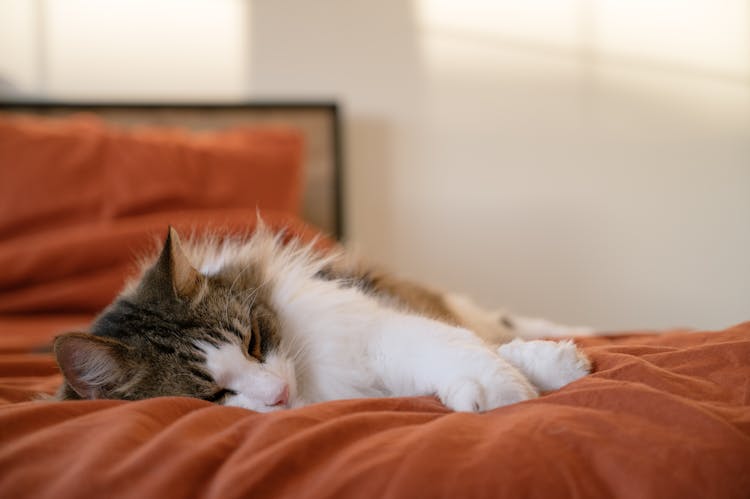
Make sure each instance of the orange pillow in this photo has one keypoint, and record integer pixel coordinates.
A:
(81, 268)
(78, 170)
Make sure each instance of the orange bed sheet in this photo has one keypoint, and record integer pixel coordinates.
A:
(663, 415)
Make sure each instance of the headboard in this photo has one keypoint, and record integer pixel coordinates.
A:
(318, 121)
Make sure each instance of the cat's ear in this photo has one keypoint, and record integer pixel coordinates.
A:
(91, 365)
(173, 270)
(185, 278)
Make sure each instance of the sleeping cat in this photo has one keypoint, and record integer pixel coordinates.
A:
(265, 325)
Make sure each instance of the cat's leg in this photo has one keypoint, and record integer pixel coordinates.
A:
(498, 326)
(549, 365)
(414, 355)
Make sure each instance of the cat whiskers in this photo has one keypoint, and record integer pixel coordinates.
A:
(253, 295)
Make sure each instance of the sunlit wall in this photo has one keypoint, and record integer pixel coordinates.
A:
(134, 49)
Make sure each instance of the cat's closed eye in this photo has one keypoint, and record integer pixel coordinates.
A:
(220, 395)
(254, 340)
(254, 346)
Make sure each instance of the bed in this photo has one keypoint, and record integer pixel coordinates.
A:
(665, 413)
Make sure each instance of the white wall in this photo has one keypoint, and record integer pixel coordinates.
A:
(567, 159)
(533, 172)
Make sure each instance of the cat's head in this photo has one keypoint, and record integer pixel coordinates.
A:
(178, 332)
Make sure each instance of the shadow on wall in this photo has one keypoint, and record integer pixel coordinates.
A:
(372, 141)
(367, 57)
(8, 90)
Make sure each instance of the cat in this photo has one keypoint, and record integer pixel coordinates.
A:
(268, 325)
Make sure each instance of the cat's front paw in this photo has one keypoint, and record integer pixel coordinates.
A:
(479, 395)
(549, 365)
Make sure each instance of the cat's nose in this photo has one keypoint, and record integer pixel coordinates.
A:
(283, 397)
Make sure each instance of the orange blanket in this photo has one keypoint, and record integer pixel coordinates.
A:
(663, 416)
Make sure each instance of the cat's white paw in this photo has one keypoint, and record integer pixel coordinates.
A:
(474, 394)
(549, 365)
